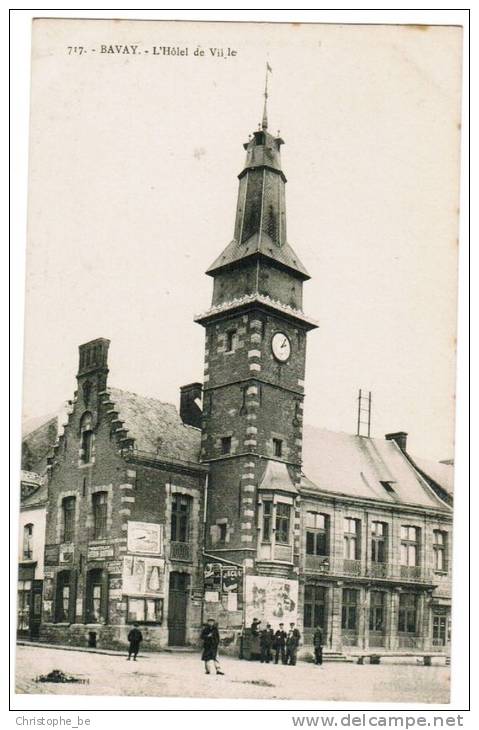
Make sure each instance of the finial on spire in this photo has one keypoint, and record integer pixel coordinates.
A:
(265, 110)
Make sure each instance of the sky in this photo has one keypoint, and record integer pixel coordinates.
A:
(132, 194)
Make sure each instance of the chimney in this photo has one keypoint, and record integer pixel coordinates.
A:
(190, 404)
(93, 356)
(400, 437)
(92, 370)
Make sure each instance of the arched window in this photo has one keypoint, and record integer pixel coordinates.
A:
(86, 436)
(28, 542)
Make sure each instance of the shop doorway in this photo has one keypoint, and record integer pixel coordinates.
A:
(177, 605)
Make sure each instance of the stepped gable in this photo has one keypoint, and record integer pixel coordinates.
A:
(360, 467)
(156, 427)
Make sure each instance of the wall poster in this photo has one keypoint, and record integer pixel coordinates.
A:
(143, 576)
(145, 537)
(272, 600)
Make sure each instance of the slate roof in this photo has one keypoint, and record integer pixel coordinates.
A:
(355, 466)
(442, 473)
(276, 478)
(261, 244)
(37, 444)
(156, 426)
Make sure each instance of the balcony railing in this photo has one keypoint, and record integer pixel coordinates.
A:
(379, 570)
(410, 572)
(357, 568)
(181, 551)
(352, 567)
(317, 563)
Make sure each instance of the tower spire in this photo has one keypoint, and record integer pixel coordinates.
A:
(264, 124)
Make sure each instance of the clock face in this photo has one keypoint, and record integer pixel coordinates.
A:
(281, 347)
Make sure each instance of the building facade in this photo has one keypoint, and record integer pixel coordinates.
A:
(232, 508)
(124, 526)
(31, 548)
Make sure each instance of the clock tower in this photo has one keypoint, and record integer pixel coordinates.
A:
(254, 376)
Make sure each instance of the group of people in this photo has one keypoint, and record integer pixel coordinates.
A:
(284, 644)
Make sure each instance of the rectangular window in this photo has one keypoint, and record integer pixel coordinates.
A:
(278, 448)
(100, 511)
(351, 538)
(349, 611)
(145, 610)
(317, 533)
(267, 520)
(230, 340)
(180, 517)
(95, 598)
(314, 606)
(440, 551)
(378, 542)
(409, 552)
(226, 445)
(28, 542)
(223, 531)
(68, 509)
(439, 630)
(283, 512)
(376, 611)
(62, 603)
(407, 613)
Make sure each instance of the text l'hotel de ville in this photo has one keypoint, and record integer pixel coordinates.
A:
(131, 49)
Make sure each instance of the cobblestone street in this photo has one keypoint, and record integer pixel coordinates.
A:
(182, 675)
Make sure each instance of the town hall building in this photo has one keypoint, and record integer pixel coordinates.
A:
(233, 508)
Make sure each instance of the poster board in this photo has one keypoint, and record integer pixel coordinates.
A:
(143, 576)
(145, 538)
(271, 600)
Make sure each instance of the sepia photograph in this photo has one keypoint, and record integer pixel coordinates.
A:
(237, 459)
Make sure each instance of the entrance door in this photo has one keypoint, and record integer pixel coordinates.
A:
(36, 608)
(177, 601)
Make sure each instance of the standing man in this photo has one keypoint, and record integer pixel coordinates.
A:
(266, 643)
(255, 627)
(280, 644)
(292, 644)
(211, 639)
(135, 637)
(318, 645)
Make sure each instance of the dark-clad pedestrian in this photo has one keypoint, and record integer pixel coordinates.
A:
(279, 645)
(266, 644)
(211, 639)
(318, 645)
(135, 637)
(292, 644)
(255, 627)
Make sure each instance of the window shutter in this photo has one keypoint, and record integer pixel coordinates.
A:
(73, 597)
(104, 596)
